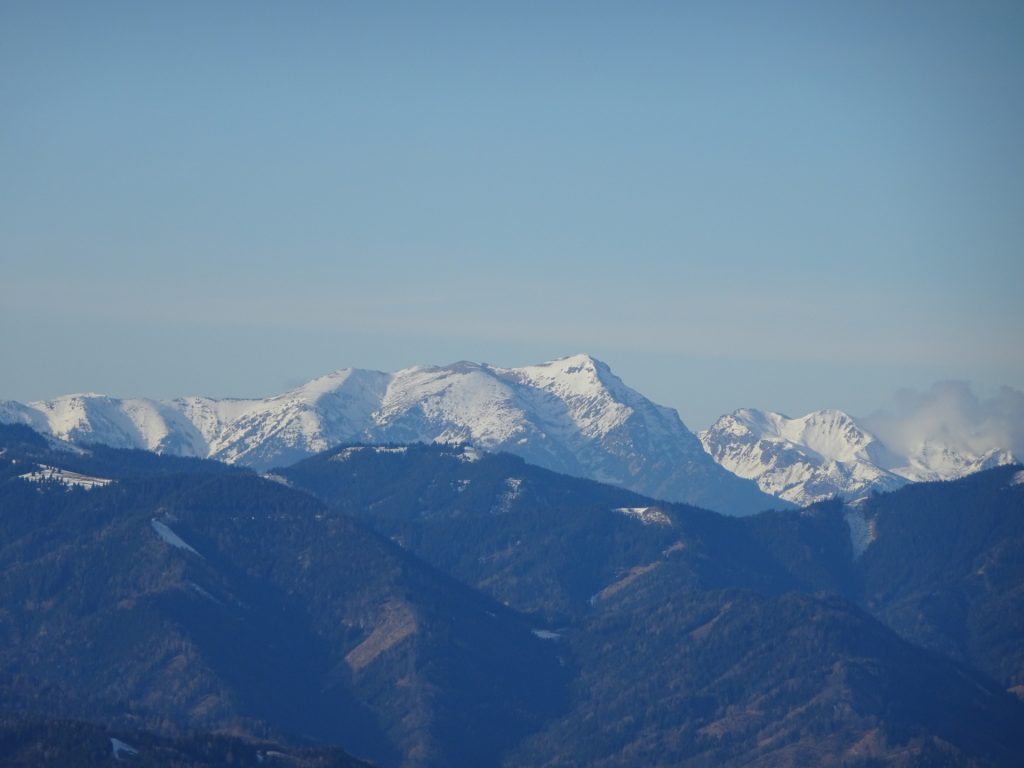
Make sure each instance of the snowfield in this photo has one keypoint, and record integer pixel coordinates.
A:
(170, 537)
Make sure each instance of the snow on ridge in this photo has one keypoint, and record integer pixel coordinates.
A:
(347, 453)
(316, 388)
(1018, 478)
(275, 478)
(646, 515)
(170, 537)
(65, 476)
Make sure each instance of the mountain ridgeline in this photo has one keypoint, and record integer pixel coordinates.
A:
(572, 415)
(436, 605)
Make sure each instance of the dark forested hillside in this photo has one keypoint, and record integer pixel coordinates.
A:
(228, 601)
(432, 606)
(511, 530)
(945, 569)
(75, 744)
(676, 676)
(539, 541)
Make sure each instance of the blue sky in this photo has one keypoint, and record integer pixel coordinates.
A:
(783, 205)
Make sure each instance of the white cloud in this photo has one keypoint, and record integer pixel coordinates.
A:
(951, 413)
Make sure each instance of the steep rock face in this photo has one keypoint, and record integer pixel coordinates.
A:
(571, 415)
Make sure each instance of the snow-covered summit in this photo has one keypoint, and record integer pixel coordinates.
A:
(572, 415)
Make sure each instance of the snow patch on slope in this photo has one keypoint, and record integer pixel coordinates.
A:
(546, 634)
(863, 531)
(469, 454)
(347, 453)
(170, 537)
(513, 488)
(119, 748)
(646, 515)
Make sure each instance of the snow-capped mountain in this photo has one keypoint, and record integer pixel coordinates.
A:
(938, 460)
(802, 460)
(571, 415)
(827, 453)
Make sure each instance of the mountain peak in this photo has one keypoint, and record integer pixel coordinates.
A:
(465, 366)
(578, 363)
(581, 374)
(579, 360)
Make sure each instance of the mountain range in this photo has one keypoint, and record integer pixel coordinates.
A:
(436, 605)
(571, 415)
